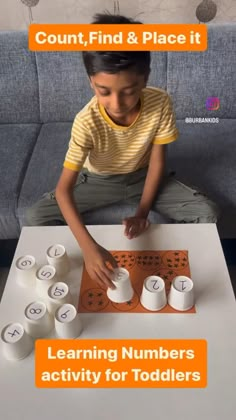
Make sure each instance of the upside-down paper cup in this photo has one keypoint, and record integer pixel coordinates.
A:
(67, 321)
(181, 295)
(123, 291)
(25, 267)
(153, 295)
(17, 344)
(38, 322)
(57, 256)
(58, 294)
(45, 277)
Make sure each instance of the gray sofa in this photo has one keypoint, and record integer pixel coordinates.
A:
(40, 94)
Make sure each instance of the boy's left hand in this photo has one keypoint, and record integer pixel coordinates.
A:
(134, 226)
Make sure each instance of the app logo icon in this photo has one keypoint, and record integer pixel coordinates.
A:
(212, 103)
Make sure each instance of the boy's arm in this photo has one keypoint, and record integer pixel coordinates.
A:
(94, 255)
(134, 226)
(166, 133)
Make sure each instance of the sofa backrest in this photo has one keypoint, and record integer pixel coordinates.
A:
(19, 93)
(194, 76)
(53, 86)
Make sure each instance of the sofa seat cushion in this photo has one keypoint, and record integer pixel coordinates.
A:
(17, 145)
(205, 156)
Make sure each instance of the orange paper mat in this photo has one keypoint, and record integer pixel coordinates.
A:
(140, 264)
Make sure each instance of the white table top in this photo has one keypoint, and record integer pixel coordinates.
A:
(215, 321)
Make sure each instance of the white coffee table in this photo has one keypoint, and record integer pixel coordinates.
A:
(215, 321)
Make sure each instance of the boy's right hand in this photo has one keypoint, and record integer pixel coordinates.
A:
(95, 259)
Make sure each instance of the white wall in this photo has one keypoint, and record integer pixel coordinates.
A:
(14, 14)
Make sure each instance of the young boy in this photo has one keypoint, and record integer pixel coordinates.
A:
(117, 147)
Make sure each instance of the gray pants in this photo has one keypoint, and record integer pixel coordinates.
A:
(176, 201)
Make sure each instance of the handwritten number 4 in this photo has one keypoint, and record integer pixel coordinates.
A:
(14, 333)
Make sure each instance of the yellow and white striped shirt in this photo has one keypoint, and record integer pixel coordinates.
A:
(103, 147)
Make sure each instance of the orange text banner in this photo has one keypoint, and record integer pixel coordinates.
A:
(116, 363)
(122, 37)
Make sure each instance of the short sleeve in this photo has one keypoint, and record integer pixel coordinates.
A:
(167, 130)
(80, 145)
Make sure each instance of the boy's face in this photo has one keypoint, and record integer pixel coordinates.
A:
(118, 93)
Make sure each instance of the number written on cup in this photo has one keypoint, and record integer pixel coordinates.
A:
(13, 333)
(56, 251)
(36, 310)
(46, 272)
(66, 313)
(154, 284)
(58, 291)
(26, 262)
(183, 284)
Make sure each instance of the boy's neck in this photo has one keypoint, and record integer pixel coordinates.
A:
(129, 118)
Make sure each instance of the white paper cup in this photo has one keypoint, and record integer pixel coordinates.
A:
(17, 344)
(25, 267)
(57, 256)
(181, 295)
(123, 291)
(45, 277)
(38, 322)
(153, 295)
(67, 321)
(58, 294)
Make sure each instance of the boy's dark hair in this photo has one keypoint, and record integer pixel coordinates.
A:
(115, 61)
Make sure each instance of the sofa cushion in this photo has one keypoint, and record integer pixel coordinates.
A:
(204, 156)
(158, 70)
(67, 90)
(45, 165)
(17, 143)
(192, 77)
(18, 80)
